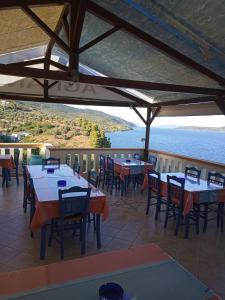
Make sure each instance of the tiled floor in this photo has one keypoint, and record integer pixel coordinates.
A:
(127, 226)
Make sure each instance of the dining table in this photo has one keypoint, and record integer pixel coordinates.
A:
(47, 202)
(144, 272)
(195, 190)
(6, 163)
(130, 167)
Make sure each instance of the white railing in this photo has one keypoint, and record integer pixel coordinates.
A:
(88, 158)
(170, 162)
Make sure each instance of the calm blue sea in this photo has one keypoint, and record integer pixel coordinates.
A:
(207, 145)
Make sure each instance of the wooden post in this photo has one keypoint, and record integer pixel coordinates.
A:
(147, 133)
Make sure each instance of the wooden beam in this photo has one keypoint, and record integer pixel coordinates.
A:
(38, 81)
(98, 39)
(57, 30)
(147, 133)
(134, 84)
(8, 4)
(154, 115)
(150, 40)
(45, 28)
(184, 101)
(27, 62)
(77, 16)
(59, 66)
(139, 115)
(66, 26)
(220, 102)
(129, 96)
(34, 73)
(7, 96)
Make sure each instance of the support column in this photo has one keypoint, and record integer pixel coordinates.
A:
(147, 133)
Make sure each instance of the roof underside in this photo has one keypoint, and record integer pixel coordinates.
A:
(195, 29)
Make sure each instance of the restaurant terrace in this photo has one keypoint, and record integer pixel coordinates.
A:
(150, 221)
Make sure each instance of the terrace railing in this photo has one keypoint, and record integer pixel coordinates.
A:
(88, 158)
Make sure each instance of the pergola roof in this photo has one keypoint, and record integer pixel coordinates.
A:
(158, 54)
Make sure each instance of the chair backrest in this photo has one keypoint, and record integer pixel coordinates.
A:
(216, 178)
(67, 160)
(192, 172)
(102, 162)
(51, 161)
(32, 191)
(76, 167)
(154, 181)
(16, 157)
(74, 200)
(137, 156)
(24, 176)
(152, 159)
(175, 189)
(93, 178)
(110, 165)
(36, 160)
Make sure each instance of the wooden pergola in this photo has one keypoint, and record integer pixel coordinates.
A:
(64, 35)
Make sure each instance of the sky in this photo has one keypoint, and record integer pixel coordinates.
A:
(129, 115)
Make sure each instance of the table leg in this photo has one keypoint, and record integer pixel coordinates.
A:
(98, 232)
(43, 242)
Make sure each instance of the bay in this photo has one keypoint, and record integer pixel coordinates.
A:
(208, 145)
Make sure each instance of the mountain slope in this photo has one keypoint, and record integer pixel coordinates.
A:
(60, 125)
(105, 121)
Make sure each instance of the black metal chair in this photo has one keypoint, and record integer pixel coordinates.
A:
(76, 167)
(111, 178)
(32, 201)
(175, 203)
(51, 161)
(73, 211)
(67, 159)
(102, 170)
(137, 156)
(192, 172)
(152, 159)
(25, 188)
(154, 192)
(15, 171)
(218, 179)
(93, 179)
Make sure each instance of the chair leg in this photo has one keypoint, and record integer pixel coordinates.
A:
(167, 215)
(222, 216)
(61, 234)
(51, 233)
(158, 207)
(186, 220)
(218, 216)
(112, 183)
(17, 176)
(148, 201)
(83, 236)
(205, 217)
(179, 215)
(197, 219)
(94, 222)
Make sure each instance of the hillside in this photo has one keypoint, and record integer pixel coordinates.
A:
(59, 124)
(107, 122)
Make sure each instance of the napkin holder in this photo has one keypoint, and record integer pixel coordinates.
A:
(50, 170)
(111, 291)
(61, 183)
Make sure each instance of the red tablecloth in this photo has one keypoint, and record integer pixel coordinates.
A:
(6, 161)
